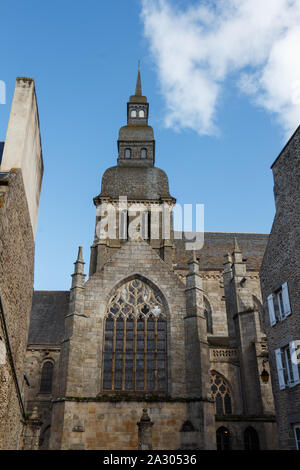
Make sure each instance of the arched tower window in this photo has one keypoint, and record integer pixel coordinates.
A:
(221, 393)
(133, 113)
(251, 439)
(135, 343)
(144, 153)
(208, 316)
(46, 377)
(223, 439)
(141, 113)
(127, 153)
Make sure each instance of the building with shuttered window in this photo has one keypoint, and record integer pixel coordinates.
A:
(280, 280)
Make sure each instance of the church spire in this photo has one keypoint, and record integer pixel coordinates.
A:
(138, 88)
(138, 97)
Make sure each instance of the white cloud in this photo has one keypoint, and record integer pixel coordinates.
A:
(196, 49)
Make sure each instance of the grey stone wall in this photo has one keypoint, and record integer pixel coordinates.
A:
(16, 286)
(281, 263)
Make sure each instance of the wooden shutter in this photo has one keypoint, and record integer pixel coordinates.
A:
(280, 369)
(271, 310)
(294, 360)
(286, 299)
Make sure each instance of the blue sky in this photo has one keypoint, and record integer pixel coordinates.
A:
(83, 57)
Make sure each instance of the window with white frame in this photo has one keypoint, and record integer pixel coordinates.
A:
(287, 365)
(297, 435)
(279, 304)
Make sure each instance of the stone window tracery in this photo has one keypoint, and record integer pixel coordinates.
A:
(221, 393)
(135, 343)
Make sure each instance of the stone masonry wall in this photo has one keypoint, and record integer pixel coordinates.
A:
(281, 264)
(16, 286)
(36, 356)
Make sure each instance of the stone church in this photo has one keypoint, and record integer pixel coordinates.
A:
(161, 347)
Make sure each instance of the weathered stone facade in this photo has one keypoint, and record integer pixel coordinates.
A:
(192, 359)
(281, 264)
(16, 261)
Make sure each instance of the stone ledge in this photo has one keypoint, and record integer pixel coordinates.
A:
(268, 418)
(134, 398)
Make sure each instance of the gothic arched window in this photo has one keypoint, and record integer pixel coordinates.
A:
(141, 113)
(251, 439)
(135, 343)
(133, 113)
(46, 377)
(208, 316)
(144, 153)
(223, 439)
(127, 153)
(221, 393)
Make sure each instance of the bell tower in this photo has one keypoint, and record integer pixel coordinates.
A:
(144, 187)
(136, 145)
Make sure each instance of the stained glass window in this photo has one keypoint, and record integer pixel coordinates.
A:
(221, 393)
(135, 340)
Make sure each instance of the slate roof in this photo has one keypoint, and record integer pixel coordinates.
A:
(217, 244)
(49, 309)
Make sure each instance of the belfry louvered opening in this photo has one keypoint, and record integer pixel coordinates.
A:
(135, 342)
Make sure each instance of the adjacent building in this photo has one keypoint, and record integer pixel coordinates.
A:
(21, 175)
(280, 281)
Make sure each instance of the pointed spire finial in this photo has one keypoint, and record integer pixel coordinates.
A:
(138, 88)
(79, 257)
(236, 246)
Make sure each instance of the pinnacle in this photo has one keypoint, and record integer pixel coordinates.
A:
(236, 246)
(138, 88)
(79, 257)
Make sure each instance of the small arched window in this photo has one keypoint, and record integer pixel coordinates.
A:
(221, 393)
(251, 439)
(46, 378)
(223, 439)
(208, 316)
(141, 113)
(144, 153)
(127, 153)
(133, 113)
